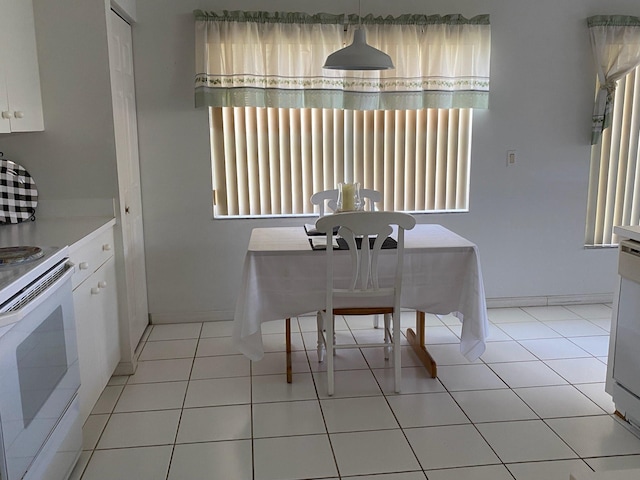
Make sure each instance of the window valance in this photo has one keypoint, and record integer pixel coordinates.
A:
(615, 41)
(275, 60)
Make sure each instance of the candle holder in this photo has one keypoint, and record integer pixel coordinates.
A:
(349, 197)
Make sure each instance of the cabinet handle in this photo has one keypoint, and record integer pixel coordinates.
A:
(18, 114)
(102, 284)
(95, 290)
(106, 247)
(7, 115)
(83, 265)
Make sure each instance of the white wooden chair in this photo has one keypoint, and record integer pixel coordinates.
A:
(364, 295)
(329, 199)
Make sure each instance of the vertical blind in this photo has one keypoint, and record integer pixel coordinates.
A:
(614, 180)
(269, 161)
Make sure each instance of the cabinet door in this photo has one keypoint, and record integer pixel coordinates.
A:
(96, 308)
(22, 105)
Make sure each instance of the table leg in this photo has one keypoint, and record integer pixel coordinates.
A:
(417, 343)
(288, 339)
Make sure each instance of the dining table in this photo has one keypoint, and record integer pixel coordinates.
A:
(283, 277)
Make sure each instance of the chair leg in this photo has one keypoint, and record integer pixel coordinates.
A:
(321, 343)
(397, 367)
(288, 337)
(376, 321)
(387, 338)
(330, 351)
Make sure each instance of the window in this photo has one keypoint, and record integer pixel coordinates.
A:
(269, 161)
(614, 180)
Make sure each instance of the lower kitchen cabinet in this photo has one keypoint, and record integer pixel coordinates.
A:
(96, 309)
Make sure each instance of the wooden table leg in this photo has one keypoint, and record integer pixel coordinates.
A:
(288, 339)
(417, 343)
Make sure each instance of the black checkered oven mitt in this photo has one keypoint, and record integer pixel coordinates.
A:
(18, 193)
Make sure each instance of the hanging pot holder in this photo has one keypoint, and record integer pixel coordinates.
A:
(18, 193)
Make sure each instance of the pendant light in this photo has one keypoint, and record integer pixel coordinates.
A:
(359, 55)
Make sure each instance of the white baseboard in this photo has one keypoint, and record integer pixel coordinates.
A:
(541, 301)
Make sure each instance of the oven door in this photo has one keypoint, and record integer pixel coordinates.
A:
(39, 374)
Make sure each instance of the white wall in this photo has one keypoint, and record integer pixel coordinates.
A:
(528, 219)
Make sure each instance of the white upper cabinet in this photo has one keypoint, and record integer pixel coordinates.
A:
(20, 96)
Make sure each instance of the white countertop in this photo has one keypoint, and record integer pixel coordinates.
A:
(632, 233)
(54, 232)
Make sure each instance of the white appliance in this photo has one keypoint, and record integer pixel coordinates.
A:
(623, 382)
(40, 428)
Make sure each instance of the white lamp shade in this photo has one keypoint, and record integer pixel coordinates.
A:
(358, 56)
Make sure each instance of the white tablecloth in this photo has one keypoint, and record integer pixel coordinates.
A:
(284, 278)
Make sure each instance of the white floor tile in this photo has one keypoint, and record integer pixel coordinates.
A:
(469, 377)
(576, 328)
(528, 330)
(274, 388)
(579, 370)
(218, 391)
(209, 424)
(108, 399)
(508, 315)
(118, 380)
(596, 436)
(554, 470)
(142, 463)
(81, 464)
(273, 363)
(486, 472)
(493, 406)
(275, 342)
(552, 312)
(140, 429)
(169, 349)
(92, 429)
(439, 335)
(348, 383)
(591, 311)
(380, 451)
(448, 354)
(196, 461)
(554, 348)
(293, 458)
(527, 374)
(506, 352)
(595, 391)
(217, 329)
(175, 331)
(602, 464)
(151, 396)
(357, 414)
(597, 346)
(222, 366)
(344, 359)
(414, 380)
(281, 419)
(558, 401)
(426, 410)
(375, 357)
(450, 446)
(278, 327)
(524, 441)
(604, 323)
(208, 347)
(392, 476)
(496, 334)
(153, 371)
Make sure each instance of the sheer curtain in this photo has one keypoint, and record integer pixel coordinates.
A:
(275, 60)
(615, 40)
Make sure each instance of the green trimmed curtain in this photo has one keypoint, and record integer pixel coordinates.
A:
(615, 41)
(266, 59)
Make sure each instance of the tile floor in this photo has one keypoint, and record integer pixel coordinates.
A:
(533, 406)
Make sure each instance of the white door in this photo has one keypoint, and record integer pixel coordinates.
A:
(130, 198)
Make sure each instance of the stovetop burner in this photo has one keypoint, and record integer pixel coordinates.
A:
(14, 255)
